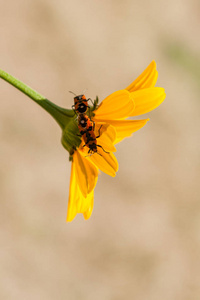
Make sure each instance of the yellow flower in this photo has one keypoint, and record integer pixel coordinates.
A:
(110, 118)
(84, 172)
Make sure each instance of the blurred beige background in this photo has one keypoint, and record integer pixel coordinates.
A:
(143, 239)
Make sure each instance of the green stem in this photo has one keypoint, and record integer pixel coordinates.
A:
(61, 115)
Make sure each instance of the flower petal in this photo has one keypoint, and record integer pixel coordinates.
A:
(77, 202)
(147, 100)
(125, 128)
(116, 106)
(107, 136)
(86, 173)
(147, 79)
(105, 129)
(107, 163)
(90, 201)
(74, 196)
(106, 144)
(85, 206)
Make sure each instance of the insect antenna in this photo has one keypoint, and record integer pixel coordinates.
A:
(72, 93)
(85, 91)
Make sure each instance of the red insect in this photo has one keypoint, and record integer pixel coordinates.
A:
(86, 129)
(80, 104)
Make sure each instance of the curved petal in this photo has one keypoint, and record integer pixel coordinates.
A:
(90, 200)
(104, 129)
(118, 105)
(125, 128)
(106, 136)
(106, 144)
(147, 100)
(77, 202)
(147, 79)
(106, 162)
(86, 173)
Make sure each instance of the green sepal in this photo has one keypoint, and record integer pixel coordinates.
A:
(70, 136)
(66, 118)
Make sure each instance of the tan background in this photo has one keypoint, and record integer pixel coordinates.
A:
(143, 239)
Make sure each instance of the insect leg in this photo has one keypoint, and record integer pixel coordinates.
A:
(89, 99)
(99, 132)
(103, 149)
